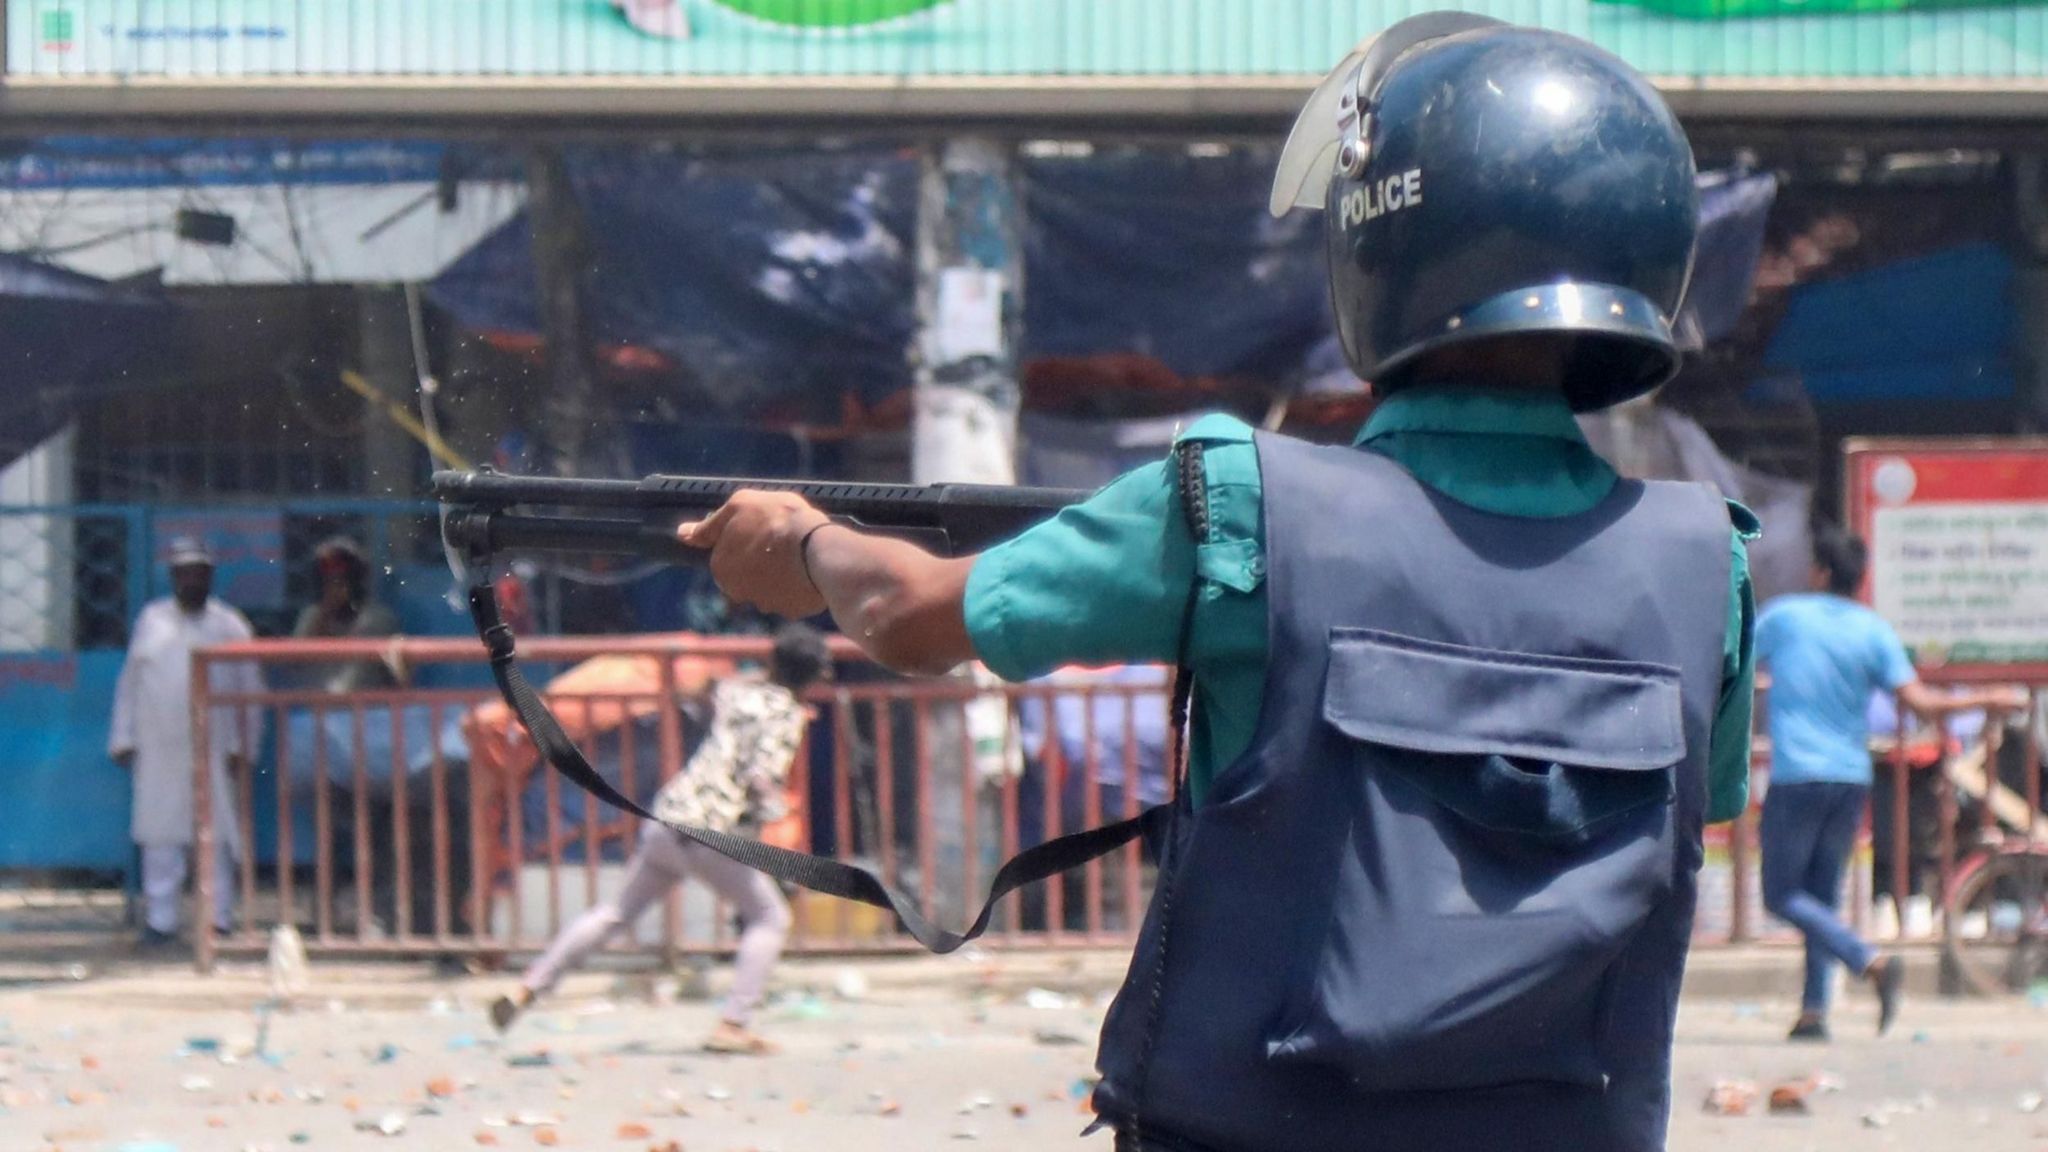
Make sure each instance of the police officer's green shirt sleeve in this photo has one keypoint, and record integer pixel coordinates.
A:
(1728, 772)
(1105, 581)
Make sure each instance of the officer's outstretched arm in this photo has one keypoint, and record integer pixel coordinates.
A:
(899, 603)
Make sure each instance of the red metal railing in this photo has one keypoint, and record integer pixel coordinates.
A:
(491, 834)
(909, 792)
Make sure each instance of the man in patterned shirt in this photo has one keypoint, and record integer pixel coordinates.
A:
(733, 783)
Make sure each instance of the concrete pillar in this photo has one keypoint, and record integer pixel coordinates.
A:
(964, 430)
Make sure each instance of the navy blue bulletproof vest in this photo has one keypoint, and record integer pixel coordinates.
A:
(1443, 902)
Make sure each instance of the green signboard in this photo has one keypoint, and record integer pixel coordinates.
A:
(825, 39)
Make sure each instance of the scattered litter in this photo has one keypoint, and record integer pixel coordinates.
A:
(301, 1137)
(1082, 1088)
(441, 1006)
(1748, 1011)
(195, 1084)
(1056, 1038)
(671, 1146)
(1046, 1000)
(80, 972)
(1791, 1097)
(536, 1059)
(462, 1042)
(804, 1006)
(309, 1095)
(201, 1044)
(216, 1121)
(716, 1092)
(967, 1133)
(546, 1137)
(1922, 1037)
(389, 1124)
(889, 1108)
(384, 1054)
(80, 1097)
(286, 963)
(440, 1087)
(633, 1131)
(1875, 1119)
(1731, 1098)
(487, 1139)
(851, 984)
(597, 1008)
(2037, 994)
(2030, 1102)
(1019, 1111)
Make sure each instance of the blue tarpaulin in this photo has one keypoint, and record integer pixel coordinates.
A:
(1733, 211)
(63, 335)
(1935, 327)
(1172, 255)
(770, 280)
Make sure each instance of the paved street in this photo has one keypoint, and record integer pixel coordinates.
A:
(169, 1061)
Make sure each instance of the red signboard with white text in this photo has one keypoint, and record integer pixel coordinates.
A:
(1958, 536)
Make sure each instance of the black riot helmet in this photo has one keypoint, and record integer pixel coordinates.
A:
(1483, 180)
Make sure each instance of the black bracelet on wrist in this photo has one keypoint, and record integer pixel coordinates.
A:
(803, 554)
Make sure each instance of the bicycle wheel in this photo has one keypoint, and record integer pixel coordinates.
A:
(1996, 933)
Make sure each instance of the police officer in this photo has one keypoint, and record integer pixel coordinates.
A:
(1463, 697)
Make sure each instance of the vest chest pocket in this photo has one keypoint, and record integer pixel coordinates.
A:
(1507, 831)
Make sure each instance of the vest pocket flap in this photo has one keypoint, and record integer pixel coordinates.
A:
(1429, 696)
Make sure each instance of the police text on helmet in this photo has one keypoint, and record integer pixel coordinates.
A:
(1389, 194)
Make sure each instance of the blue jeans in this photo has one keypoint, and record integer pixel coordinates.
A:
(1808, 831)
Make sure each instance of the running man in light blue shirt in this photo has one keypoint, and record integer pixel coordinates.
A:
(1826, 655)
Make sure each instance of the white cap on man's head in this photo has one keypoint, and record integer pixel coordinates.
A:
(189, 552)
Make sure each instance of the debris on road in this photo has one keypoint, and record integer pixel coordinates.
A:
(2030, 1102)
(1731, 1098)
(539, 1058)
(1046, 1000)
(389, 1124)
(1792, 1096)
(1056, 1038)
(631, 1130)
(851, 984)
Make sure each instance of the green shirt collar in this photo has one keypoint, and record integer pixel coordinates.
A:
(1474, 411)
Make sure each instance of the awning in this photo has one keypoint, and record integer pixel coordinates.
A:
(62, 336)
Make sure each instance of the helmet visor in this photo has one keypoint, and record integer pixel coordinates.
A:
(1310, 157)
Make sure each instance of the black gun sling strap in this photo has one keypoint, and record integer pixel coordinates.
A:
(835, 877)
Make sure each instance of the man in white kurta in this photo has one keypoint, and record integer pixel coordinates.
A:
(152, 736)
